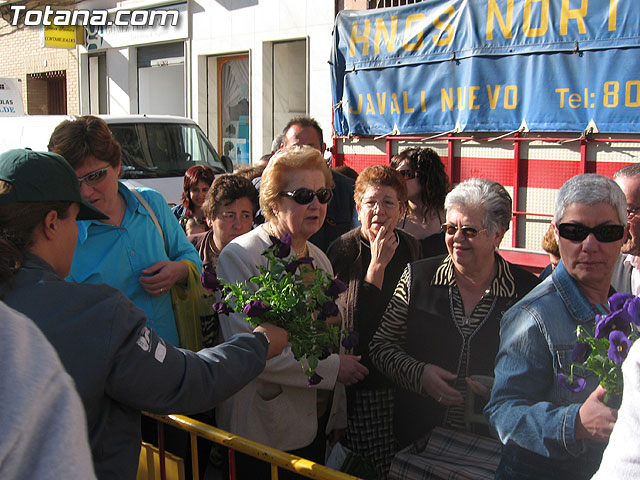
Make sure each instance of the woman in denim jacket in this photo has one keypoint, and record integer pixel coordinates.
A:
(549, 432)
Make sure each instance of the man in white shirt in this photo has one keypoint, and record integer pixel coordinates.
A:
(626, 274)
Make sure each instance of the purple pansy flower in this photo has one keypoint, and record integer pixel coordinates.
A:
(580, 352)
(284, 245)
(352, 340)
(618, 300)
(256, 308)
(325, 354)
(615, 321)
(329, 309)
(575, 384)
(619, 346)
(632, 306)
(291, 267)
(625, 305)
(314, 380)
(336, 287)
(210, 281)
(221, 308)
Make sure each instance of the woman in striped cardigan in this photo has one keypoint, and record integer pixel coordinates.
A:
(442, 323)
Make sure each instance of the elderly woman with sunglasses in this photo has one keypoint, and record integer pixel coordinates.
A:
(442, 323)
(427, 186)
(126, 251)
(549, 431)
(370, 260)
(279, 409)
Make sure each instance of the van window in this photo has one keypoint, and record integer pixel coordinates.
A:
(163, 149)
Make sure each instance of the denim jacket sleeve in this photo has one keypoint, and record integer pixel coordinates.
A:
(521, 409)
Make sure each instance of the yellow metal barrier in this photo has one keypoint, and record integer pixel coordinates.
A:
(149, 466)
(277, 458)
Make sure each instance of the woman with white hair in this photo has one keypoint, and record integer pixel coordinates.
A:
(441, 325)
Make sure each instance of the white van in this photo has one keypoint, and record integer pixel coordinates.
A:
(156, 149)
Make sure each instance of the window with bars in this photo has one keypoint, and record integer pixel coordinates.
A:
(390, 3)
(47, 93)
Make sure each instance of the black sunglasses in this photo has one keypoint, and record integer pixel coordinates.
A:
(304, 196)
(468, 232)
(407, 174)
(576, 232)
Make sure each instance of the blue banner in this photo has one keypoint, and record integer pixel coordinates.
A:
(488, 65)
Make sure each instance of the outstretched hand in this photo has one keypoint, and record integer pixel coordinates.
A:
(277, 337)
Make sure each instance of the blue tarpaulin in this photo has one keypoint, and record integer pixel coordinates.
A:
(487, 65)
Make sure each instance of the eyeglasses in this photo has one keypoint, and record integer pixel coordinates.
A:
(304, 196)
(468, 232)
(632, 212)
(370, 204)
(407, 174)
(576, 232)
(94, 178)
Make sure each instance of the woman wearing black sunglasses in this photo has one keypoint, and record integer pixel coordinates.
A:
(551, 431)
(442, 323)
(427, 186)
(279, 409)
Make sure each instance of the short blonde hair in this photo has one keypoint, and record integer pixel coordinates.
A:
(274, 177)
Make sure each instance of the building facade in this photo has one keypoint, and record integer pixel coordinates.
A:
(240, 68)
(49, 76)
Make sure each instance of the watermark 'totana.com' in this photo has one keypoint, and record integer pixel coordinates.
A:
(97, 18)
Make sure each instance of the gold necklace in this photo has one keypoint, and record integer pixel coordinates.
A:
(305, 251)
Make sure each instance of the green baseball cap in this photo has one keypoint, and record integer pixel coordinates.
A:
(43, 177)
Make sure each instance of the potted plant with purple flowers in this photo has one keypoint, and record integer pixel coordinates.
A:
(603, 352)
(290, 294)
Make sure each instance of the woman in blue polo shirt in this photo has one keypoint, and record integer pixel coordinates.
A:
(126, 251)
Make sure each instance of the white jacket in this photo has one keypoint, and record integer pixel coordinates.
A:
(277, 409)
(621, 459)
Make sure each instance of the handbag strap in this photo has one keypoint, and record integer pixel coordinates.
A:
(148, 208)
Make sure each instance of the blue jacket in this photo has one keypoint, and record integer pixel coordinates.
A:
(116, 255)
(529, 409)
(120, 366)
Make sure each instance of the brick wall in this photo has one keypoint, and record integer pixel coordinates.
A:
(21, 54)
